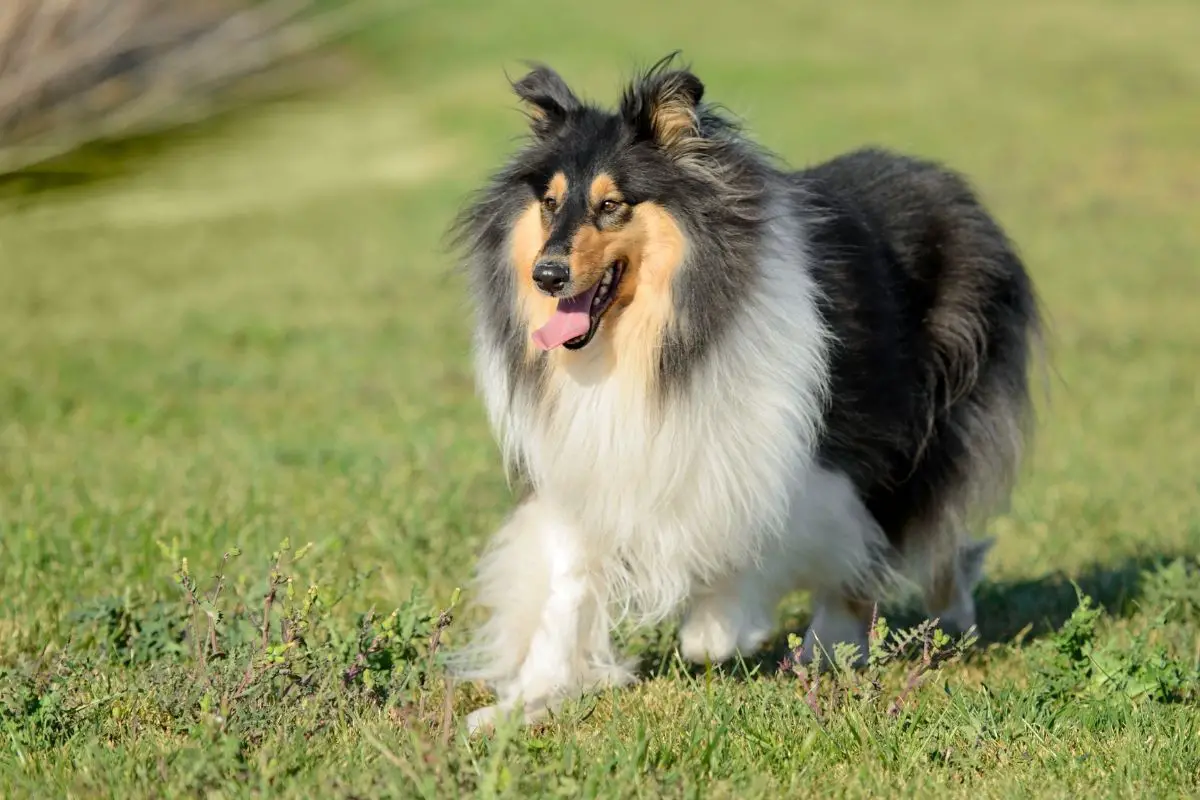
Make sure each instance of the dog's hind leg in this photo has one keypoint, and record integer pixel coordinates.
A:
(547, 637)
(841, 549)
(838, 618)
(949, 597)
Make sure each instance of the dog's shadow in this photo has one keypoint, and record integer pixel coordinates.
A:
(1008, 611)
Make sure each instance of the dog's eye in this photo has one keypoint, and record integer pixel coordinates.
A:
(550, 204)
(609, 206)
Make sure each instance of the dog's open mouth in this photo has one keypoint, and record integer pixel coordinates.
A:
(577, 318)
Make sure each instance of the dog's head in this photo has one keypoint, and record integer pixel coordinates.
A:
(629, 232)
(600, 230)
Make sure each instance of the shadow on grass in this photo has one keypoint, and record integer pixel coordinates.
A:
(1039, 606)
(105, 160)
(1008, 611)
(102, 161)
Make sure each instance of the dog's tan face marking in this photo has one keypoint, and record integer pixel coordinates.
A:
(528, 237)
(556, 193)
(603, 235)
(603, 188)
(643, 308)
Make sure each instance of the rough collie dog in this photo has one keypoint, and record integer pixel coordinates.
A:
(718, 381)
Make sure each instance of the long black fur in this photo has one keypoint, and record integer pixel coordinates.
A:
(899, 245)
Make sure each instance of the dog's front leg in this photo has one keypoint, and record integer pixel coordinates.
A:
(545, 636)
(732, 615)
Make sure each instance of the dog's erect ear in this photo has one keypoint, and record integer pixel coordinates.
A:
(662, 106)
(547, 98)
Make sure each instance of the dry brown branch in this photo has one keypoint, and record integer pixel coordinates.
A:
(77, 71)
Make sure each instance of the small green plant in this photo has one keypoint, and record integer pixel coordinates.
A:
(230, 661)
(1173, 588)
(1078, 664)
(916, 652)
(299, 648)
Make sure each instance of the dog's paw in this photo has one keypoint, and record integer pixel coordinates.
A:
(707, 637)
(483, 720)
(716, 635)
(959, 618)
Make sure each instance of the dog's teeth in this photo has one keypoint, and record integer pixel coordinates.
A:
(605, 289)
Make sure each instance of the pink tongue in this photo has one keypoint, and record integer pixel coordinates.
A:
(570, 321)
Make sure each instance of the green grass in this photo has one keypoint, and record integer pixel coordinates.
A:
(254, 333)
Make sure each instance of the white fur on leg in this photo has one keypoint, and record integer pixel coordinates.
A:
(833, 623)
(832, 549)
(827, 545)
(547, 637)
(554, 662)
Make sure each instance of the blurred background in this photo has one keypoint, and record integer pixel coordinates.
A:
(227, 314)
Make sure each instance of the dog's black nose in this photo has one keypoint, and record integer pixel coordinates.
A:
(551, 276)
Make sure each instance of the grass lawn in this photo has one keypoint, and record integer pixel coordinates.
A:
(254, 333)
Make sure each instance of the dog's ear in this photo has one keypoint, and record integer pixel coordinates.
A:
(662, 106)
(548, 100)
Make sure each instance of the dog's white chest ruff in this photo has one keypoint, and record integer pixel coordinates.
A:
(665, 493)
